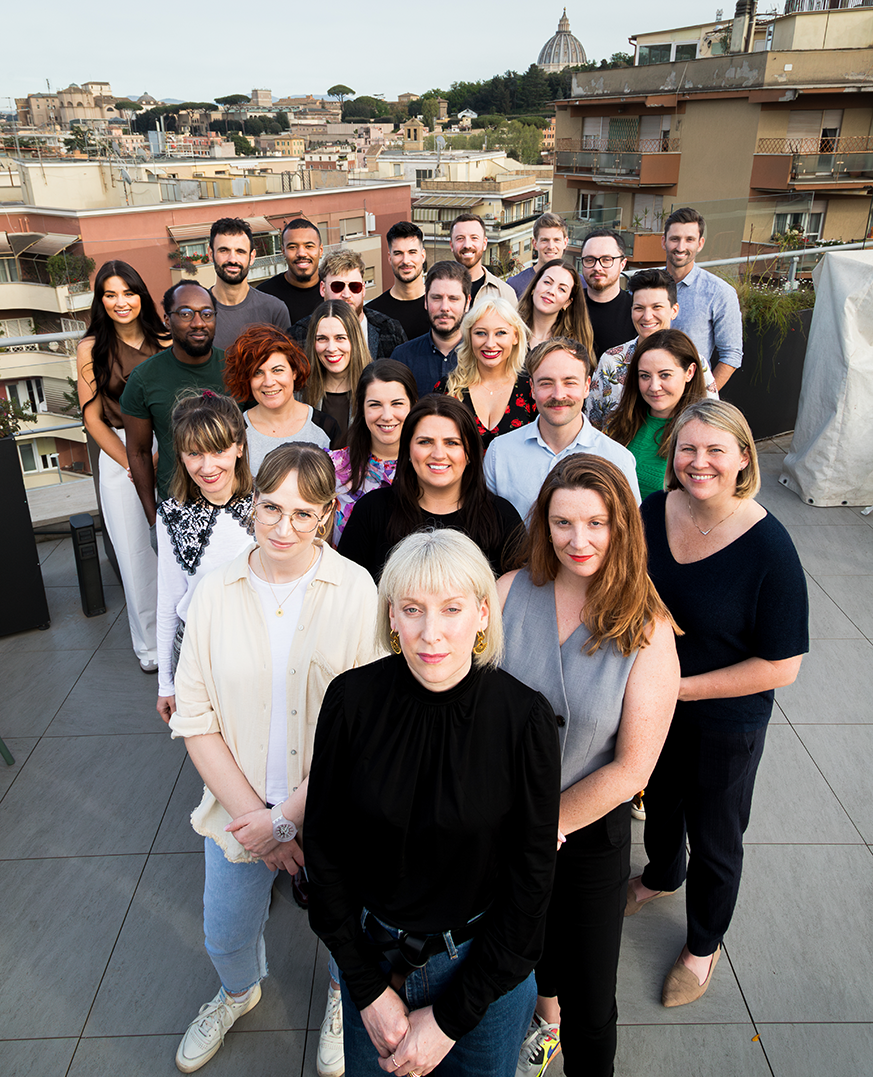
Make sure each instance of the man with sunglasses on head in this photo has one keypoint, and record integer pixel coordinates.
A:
(192, 364)
(342, 277)
(609, 308)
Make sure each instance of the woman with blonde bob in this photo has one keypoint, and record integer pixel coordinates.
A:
(730, 575)
(440, 759)
(248, 690)
(337, 354)
(585, 626)
(490, 378)
(554, 305)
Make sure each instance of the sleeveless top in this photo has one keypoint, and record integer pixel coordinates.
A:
(585, 691)
(123, 362)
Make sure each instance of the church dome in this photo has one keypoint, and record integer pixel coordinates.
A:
(562, 50)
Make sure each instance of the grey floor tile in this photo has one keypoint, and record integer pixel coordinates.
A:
(777, 717)
(859, 512)
(854, 596)
(36, 1058)
(827, 619)
(70, 629)
(20, 747)
(788, 508)
(793, 803)
(34, 690)
(59, 919)
(828, 549)
(118, 810)
(162, 944)
(810, 1050)
(795, 939)
(176, 835)
(59, 567)
(833, 686)
(118, 637)
(255, 1054)
(694, 1051)
(843, 755)
(112, 696)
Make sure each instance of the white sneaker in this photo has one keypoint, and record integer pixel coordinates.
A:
(331, 1061)
(207, 1031)
(540, 1046)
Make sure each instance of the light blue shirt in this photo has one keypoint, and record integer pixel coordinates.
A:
(709, 312)
(517, 463)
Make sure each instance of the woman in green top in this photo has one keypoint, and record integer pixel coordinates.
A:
(663, 378)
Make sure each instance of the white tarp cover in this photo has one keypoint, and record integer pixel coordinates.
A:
(831, 456)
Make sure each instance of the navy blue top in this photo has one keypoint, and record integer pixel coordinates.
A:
(426, 361)
(746, 601)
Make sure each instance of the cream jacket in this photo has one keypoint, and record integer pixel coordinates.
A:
(495, 286)
(224, 679)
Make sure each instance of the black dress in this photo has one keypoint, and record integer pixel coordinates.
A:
(520, 410)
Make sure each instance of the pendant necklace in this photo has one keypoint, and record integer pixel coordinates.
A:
(279, 611)
(714, 526)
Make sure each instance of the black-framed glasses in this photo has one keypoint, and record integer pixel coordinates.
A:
(339, 286)
(303, 521)
(606, 260)
(185, 314)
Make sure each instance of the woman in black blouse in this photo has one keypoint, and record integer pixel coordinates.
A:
(439, 483)
(433, 811)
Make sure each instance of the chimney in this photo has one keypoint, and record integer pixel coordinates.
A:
(743, 30)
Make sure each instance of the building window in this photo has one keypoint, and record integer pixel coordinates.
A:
(686, 51)
(27, 391)
(653, 54)
(351, 226)
(194, 250)
(8, 271)
(369, 275)
(28, 457)
(809, 224)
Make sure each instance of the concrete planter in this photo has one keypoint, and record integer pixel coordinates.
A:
(23, 604)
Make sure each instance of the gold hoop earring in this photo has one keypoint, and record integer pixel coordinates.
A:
(394, 640)
(320, 531)
(481, 642)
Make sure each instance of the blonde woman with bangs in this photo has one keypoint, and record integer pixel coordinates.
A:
(490, 378)
(432, 824)
(585, 626)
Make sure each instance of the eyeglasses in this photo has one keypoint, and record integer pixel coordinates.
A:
(269, 515)
(605, 260)
(185, 314)
(339, 286)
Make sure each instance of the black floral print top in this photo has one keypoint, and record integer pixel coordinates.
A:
(520, 410)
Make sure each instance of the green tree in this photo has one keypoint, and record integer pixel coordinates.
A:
(429, 109)
(244, 148)
(364, 108)
(340, 92)
(230, 101)
(67, 268)
(282, 121)
(12, 415)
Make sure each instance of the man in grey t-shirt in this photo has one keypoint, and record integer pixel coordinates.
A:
(237, 305)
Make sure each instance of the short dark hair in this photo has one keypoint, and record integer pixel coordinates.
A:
(685, 215)
(463, 218)
(299, 222)
(611, 233)
(231, 226)
(653, 278)
(167, 301)
(404, 230)
(449, 271)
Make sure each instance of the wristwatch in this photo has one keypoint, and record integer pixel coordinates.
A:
(283, 829)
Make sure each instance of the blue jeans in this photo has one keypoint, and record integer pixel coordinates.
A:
(489, 1050)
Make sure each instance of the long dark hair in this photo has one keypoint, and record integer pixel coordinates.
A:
(573, 321)
(102, 328)
(477, 511)
(360, 439)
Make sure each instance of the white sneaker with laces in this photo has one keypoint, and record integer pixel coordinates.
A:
(540, 1046)
(331, 1061)
(207, 1031)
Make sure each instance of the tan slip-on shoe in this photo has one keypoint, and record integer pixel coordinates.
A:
(682, 986)
(634, 904)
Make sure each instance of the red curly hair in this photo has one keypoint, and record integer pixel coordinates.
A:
(251, 349)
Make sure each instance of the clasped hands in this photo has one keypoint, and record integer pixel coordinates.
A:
(254, 832)
(407, 1042)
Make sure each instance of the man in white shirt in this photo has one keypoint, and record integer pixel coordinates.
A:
(517, 463)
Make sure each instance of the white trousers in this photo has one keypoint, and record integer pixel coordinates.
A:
(128, 531)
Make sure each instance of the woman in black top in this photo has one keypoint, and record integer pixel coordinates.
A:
(337, 353)
(433, 810)
(730, 576)
(439, 482)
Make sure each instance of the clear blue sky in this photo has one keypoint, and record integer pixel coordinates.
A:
(196, 51)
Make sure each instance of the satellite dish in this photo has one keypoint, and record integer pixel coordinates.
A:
(125, 175)
(440, 142)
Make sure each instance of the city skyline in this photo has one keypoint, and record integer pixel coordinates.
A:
(164, 66)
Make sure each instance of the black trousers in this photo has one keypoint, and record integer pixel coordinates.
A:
(702, 786)
(583, 937)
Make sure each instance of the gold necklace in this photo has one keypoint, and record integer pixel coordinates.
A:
(280, 612)
(714, 526)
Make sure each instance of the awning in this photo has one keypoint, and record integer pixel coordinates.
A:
(445, 201)
(5, 246)
(45, 243)
(184, 233)
(522, 197)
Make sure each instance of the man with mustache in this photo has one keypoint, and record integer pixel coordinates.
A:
(297, 286)
(237, 304)
(468, 242)
(517, 463)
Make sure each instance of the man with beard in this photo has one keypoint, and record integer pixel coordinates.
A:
(517, 463)
(192, 364)
(404, 300)
(433, 355)
(237, 304)
(609, 308)
(468, 242)
(297, 287)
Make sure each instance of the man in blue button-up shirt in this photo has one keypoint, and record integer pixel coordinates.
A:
(709, 310)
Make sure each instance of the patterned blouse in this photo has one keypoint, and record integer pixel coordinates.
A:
(379, 473)
(520, 410)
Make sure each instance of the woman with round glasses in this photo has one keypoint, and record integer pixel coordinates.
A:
(265, 636)
(337, 353)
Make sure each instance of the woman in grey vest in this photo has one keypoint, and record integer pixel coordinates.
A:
(585, 626)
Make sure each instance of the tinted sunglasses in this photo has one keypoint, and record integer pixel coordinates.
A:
(339, 286)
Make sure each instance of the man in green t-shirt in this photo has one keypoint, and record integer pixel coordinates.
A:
(154, 387)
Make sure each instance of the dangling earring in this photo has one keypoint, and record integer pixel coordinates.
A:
(481, 643)
(394, 640)
(320, 531)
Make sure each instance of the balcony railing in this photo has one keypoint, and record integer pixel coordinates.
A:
(843, 144)
(791, 6)
(664, 144)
